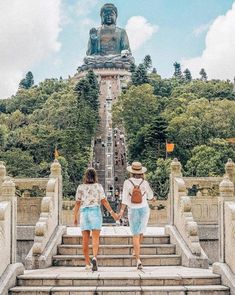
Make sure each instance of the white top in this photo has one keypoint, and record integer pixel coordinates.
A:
(127, 190)
(90, 195)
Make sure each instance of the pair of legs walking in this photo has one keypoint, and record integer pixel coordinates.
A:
(95, 247)
(137, 239)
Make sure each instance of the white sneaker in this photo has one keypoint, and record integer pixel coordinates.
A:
(88, 267)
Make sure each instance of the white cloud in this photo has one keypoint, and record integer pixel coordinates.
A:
(201, 29)
(139, 31)
(218, 57)
(28, 32)
(84, 7)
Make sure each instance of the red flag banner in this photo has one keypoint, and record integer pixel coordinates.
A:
(170, 147)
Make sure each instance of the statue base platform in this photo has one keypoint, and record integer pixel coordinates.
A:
(107, 73)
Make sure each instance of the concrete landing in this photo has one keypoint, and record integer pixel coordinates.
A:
(119, 272)
(118, 231)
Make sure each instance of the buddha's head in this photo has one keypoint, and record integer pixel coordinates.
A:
(108, 14)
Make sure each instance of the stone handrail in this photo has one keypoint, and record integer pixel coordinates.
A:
(226, 265)
(183, 217)
(30, 183)
(47, 229)
(48, 219)
(230, 235)
(5, 235)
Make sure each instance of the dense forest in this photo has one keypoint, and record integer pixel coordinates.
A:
(56, 114)
(197, 115)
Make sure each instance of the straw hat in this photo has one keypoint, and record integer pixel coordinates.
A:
(136, 168)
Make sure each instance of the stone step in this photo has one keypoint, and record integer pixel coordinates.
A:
(118, 240)
(131, 290)
(118, 279)
(118, 260)
(119, 249)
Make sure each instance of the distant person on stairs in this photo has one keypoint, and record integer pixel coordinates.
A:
(89, 197)
(136, 192)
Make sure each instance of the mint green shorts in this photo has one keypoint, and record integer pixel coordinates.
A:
(138, 219)
(90, 218)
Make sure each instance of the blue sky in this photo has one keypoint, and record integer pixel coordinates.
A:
(176, 30)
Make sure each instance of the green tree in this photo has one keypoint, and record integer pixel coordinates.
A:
(177, 71)
(154, 71)
(203, 75)
(132, 68)
(147, 62)
(159, 179)
(209, 160)
(19, 163)
(187, 76)
(27, 82)
(140, 76)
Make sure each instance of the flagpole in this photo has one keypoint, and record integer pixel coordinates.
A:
(166, 148)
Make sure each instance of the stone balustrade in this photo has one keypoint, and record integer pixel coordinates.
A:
(183, 229)
(227, 223)
(5, 235)
(31, 183)
(183, 217)
(226, 265)
(204, 193)
(229, 242)
(50, 211)
(48, 219)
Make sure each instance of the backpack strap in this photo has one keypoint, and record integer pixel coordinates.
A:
(137, 185)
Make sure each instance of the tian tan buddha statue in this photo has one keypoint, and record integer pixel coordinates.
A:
(108, 45)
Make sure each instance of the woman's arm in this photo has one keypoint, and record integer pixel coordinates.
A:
(75, 212)
(123, 207)
(106, 204)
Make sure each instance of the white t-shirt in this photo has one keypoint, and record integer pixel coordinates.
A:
(90, 194)
(145, 188)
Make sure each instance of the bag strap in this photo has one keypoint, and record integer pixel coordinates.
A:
(136, 185)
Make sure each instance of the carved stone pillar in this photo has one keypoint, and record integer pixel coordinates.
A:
(56, 173)
(8, 194)
(226, 195)
(175, 172)
(2, 173)
(230, 170)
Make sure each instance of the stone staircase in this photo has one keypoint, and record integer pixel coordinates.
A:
(117, 274)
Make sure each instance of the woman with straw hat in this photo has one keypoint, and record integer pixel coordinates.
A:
(136, 192)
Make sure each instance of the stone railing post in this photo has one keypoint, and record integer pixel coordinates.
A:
(56, 173)
(175, 172)
(226, 195)
(230, 170)
(2, 173)
(8, 194)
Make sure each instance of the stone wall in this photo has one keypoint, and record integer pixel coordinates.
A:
(28, 210)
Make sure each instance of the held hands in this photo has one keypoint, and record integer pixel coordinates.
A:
(114, 215)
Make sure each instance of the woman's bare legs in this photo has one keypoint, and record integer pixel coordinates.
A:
(141, 237)
(136, 245)
(95, 248)
(85, 245)
(95, 242)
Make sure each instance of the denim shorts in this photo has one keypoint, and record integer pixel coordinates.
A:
(138, 219)
(90, 218)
